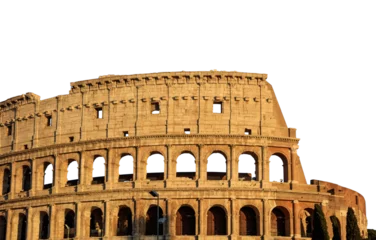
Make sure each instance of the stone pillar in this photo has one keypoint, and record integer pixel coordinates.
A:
(229, 165)
(56, 175)
(31, 226)
(265, 167)
(107, 216)
(234, 231)
(53, 222)
(110, 169)
(79, 221)
(266, 219)
(82, 172)
(234, 165)
(294, 156)
(296, 223)
(136, 220)
(34, 177)
(13, 180)
(202, 163)
(201, 219)
(10, 225)
(170, 165)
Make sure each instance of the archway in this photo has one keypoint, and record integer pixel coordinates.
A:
(247, 222)
(48, 175)
(247, 167)
(151, 221)
(278, 168)
(216, 221)
(216, 168)
(96, 223)
(186, 166)
(6, 181)
(72, 175)
(22, 227)
(3, 227)
(126, 168)
(336, 225)
(155, 167)
(306, 222)
(185, 221)
(124, 225)
(44, 225)
(99, 170)
(26, 178)
(69, 224)
(280, 222)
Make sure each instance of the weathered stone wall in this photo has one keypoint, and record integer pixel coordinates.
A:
(185, 101)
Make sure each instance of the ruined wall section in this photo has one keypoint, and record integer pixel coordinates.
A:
(184, 100)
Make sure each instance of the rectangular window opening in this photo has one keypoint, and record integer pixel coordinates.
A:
(187, 130)
(99, 113)
(248, 131)
(155, 108)
(49, 121)
(71, 139)
(26, 146)
(125, 134)
(9, 130)
(217, 107)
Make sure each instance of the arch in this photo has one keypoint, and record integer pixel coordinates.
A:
(72, 173)
(6, 181)
(48, 175)
(155, 166)
(22, 227)
(248, 222)
(44, 225)
(151, 221)
(186, 165)
(278, 168)
(185, 221)
(99, 169)
(280, 222)
(69, 224)
(216, 168)
(3, 227)
(216, 221)
(126, 168)
(336, 226)
(247, 166)
(26, 178)
(124, 224)
(96, 223)
(306, 222)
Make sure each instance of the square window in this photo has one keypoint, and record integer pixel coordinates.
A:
(217, 107)
(248, 131)
(26, 146)
(9, 130)
(71, 139)
(187, 130)
(99, 113)
(155, 108)
(49, 121)
(125, 134)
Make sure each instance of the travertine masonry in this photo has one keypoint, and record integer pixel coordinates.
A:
(142, 115)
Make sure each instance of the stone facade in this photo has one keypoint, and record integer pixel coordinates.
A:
(167, 114)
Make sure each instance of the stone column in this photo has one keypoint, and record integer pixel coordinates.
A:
(234, 231)
(266, 219)
(110, 169)
(296, 223)
(136, 220)
(234, 165)
(202, 164)
(201, 224)
(82, 172)
(265, 182)
(34, 177)
(294, 156)
(170, 165)
(107, 216)
(13, 180)
(56, 175)
(53, 222)
(79, 221)
(9, 225)
(31, 226)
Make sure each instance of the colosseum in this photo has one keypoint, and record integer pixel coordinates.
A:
(181, 155)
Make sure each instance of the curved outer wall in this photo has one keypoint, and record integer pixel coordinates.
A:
(57, 131)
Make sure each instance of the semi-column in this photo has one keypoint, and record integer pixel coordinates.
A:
(296, 223)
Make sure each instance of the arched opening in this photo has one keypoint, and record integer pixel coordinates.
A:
(247, 222)
(151, 221)
(306, 222)
(26, 178)
(126, 168)
(3, 227)
(124, 226)
(48, 175)
(216, 168)
(185, 221)
(247, 167)
(22, 227)
(6, 181)
(96, 223)
(69, 224)
(336, 225)
(186, 166)
(278, 168)
(216, 221)
(44, 225)
(280, 222)
(155, 167)
(72, 175)
(99, 170)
